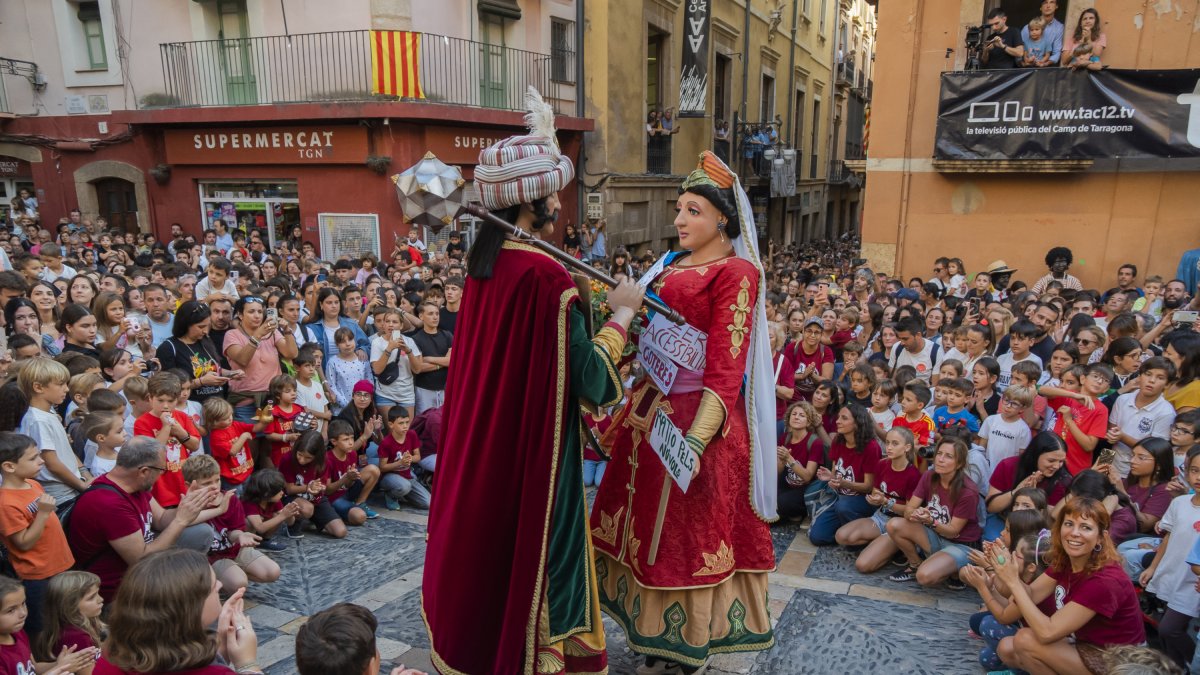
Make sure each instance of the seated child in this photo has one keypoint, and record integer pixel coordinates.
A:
(107, 431)
(137, 399)
(1006, 434)
(306, 476)
(398, 451)
(881, 406)
(262, 500)
(350, 481)
(15, 653)
(234, 559)
(103, 400)
(1026, 374)
(954, 413)
(912, 406)
(228, 440)
(72, 617)
(341, 639)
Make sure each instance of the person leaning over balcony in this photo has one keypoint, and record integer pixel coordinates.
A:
(653, 126)
(1083, 48)
(1004, 48)
(1052, 34)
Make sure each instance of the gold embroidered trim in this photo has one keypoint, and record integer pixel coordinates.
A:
(610, 341)
(531, 626)
(716, 563)
(738, 329)
(634, 545)
(521, 246)
(607, 532)
(549, 661)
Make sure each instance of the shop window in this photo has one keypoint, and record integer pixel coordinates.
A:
(272, 207)
(93, 35)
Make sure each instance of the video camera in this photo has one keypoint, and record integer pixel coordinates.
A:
(976, 40)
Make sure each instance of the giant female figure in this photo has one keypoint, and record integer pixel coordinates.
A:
(685, 573)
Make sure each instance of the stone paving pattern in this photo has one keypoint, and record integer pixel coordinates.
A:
(830, 619)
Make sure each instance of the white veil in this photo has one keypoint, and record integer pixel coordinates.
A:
(760, 375)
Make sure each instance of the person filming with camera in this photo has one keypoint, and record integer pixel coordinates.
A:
(1004, 49)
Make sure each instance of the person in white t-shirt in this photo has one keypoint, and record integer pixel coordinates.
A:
(1142, 412)
(311, 391)
(389, 346)
(217, 283)
(1006, 434)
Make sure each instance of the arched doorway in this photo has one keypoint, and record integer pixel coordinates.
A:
(117, 202)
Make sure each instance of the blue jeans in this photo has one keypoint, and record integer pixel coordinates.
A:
(1132, 556)
(244, 413)
(400, 488)
(346, 501)
(593, 472)
(847, 508)
(992, 631)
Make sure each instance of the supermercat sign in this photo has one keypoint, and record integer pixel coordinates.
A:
(267, 145)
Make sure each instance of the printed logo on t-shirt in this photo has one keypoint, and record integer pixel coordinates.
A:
(1145, 424)
(26, 668)
(147, 527)
(843, 472)
(883, 488)
(174, 452)
(220, 541)
(1060, 594)
(940, 513)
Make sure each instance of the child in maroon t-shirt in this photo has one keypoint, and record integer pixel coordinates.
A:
(234, 559)
(306, 476)
(398, 451)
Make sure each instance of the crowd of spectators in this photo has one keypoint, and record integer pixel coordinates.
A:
(184, 410)
(1043, 41)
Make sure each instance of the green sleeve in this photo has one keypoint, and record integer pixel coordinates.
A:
(594, 375)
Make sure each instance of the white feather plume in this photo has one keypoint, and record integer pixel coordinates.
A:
(540, 118)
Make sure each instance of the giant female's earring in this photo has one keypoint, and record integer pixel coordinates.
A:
(721, 229)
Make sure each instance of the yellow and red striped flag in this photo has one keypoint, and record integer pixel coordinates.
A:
(395, 63)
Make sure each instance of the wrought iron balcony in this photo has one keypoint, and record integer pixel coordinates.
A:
(336, 66)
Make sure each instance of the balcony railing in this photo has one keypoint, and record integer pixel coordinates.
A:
(336, 66)
(845, 74)
(658, 155)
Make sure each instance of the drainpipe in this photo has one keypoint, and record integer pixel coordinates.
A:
(745, 60)
(580, 111)
(792, 77)
(833, 109)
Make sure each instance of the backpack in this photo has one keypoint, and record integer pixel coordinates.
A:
(64, 516)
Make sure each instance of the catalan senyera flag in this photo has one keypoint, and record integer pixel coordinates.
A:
(395, 63)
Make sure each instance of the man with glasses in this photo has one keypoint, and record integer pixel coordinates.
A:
(116, 522)
(1004, 48)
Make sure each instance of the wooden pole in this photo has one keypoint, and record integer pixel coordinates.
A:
(658, 521)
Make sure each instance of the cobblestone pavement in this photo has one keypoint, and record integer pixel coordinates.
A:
(829, 619)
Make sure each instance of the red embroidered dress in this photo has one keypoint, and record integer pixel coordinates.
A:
(707, 589)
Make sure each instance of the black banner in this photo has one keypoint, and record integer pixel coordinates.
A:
(693, 80)
(1058, 113)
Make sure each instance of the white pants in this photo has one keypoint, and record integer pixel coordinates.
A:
(429, 398)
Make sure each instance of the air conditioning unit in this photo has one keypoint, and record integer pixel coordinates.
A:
(595, 205)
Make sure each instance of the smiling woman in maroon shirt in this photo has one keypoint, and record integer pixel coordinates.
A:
(1094, 598)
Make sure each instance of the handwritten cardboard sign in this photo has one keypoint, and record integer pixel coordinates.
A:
(684, 344)
(658, 367)
(668, 443)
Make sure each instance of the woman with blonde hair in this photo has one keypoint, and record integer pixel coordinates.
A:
(1001, 320)
(160, 620)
